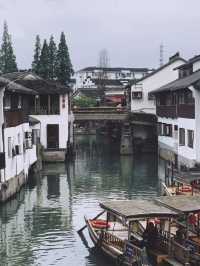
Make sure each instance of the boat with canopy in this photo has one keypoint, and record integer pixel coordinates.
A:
(133, 232)
(185, 245)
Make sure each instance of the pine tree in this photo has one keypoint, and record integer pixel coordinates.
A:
(64, 68)
(7, 57)
(43, 69)
(52, 58)
(37, 53)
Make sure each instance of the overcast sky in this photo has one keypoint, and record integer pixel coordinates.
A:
(131, 30)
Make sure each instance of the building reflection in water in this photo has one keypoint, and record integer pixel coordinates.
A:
(39, 226)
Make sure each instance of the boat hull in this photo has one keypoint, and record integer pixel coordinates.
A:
(112, 253)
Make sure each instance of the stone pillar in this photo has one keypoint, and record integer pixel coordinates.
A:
(126, 145)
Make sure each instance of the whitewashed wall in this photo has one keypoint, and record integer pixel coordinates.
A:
(197, 124)
(62, 120)
(196, 66)
(172, 143)
(1, 124)
(15, 165)
(153, 82)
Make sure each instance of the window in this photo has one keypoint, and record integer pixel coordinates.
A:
(159, 127)
(7, 102)
(28, 140)
(175, 127)
(181, 98)
(35, 136)
(151, 96)
(168, 130)
(137, 94)
(19, 102)
(174, 98)
(9, 147)
(157, 101)
(189, 98)
(190, 134)
(19, 144)
(181, 136)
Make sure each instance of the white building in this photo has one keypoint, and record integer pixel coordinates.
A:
(86, 77)
(141, 98)
(31, 109)
(51, 108)
(177, 109)
(17, 138)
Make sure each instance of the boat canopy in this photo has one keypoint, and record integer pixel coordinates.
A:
(135, 209)
(184, 204)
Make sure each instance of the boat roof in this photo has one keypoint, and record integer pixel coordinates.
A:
(185, 204)
(134, 209)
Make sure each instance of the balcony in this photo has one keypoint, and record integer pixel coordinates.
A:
(14, 118)
(186, 111)
(174, 111)
(54, 110)
(166, 111)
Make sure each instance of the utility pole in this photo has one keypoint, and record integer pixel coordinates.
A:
(161, 54)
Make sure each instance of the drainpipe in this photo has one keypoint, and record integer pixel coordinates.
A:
(3, 136)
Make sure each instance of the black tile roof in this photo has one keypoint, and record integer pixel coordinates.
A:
(37, 84)
(190, 62)
(12, 86)
(107, 82)
(117, 69)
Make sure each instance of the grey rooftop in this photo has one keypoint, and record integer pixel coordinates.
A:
(134, 209)
(185, 204)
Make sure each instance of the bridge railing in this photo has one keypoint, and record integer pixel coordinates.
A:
(99, 110)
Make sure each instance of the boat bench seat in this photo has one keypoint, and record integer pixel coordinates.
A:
(172, 262)
(157, 255)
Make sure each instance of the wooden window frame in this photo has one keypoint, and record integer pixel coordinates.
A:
(190, 138)
(9, 147)
(181, 131)
(139, 95)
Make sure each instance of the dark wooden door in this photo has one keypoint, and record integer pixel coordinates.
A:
(53, 136)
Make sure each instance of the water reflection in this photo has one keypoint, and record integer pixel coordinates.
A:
(39, 226)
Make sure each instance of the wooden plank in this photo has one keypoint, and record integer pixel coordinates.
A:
(172, 262)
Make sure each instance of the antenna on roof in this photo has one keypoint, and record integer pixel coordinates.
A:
(161, 54)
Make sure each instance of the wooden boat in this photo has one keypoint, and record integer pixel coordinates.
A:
(185, 250)
(181, 183)
(119, 234)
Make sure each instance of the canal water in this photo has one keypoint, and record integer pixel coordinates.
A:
(38, 226)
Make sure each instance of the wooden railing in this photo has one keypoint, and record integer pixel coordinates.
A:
(162, 242)
(99, 109)
(54, 110)
(186, 110)
(166, 111)
(113, 240)
(15, 118)
(179, 252)
(138, 255)
(173, 111)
